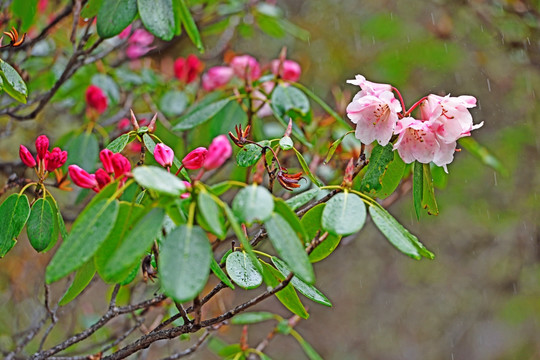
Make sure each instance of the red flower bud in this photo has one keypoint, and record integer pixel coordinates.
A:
(26, 157)
(246, 65)
(216, 77)
(106, 159)
(290, 70)
(81, 178)
(42, 146)
(195, 159)
(187, 70)
(218, 152)
(96, 99)
(164, 155)
(55, 159)
(121, 165)
(102, 178)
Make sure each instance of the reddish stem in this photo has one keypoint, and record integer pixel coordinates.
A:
(416, 104)
(400, 99)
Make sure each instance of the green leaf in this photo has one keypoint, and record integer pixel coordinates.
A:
(380, 158)
(286, 143)
(83, 151)
(289, 247)
(89, 231)
(325, 248)
(418, 179)
(248, 155)
(308, 349)
(344, 214)
(311, 221)
(281, 208)
(220, 188)
(14, 212)
(253, 203)
(13, 84)
(118, 144)
(309, 291)
(134, 245)
(252, 317)
(398, 236)
(184, 262)
(334, 146)
(200, 115)
(212, 215)
(392, 177)
(220, 274)
(158, 179)
(306, 169)
(114, 16)
(482, 153)
(91, 8)
(287, 296)
(173, 102)
(55, 221)
(428, 192)
(40, 225)
(83, 276)
(242, 271)
(128, 215)
(182, 13)
(26, 12)
(287, 98)
(303, 198)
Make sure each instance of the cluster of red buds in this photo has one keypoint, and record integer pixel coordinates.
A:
(115, 165)
(46, 161)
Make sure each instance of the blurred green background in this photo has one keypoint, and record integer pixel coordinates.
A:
(480, 298)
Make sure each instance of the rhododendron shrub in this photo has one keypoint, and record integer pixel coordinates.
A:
(181, 205)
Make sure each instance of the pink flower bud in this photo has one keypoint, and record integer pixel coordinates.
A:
(55, 159)
(218, 152)
(141, 37)
(125, 33)
(241, 64)
(290, 70)
(82, 178)
(102, 178)
(42, 146)
(186, 194)
(26, 157)
(164, 155)
(187, 70)
(217, 77)
(124, 125)
(121, 165)
(195, 159)
(96, 99)
(105, 156)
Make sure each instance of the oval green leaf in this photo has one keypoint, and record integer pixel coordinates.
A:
(252, 317)
(89, 231)
(200, 115)
(158, 179)
(220, 274)
(114, 16)
(83, 276)
(14, 212)
(184, 262)
(212, 214)
(118, 144)
(13, 84)
(303, 198)
(182, 13)
(242, 270)
(253, 203)
(158, 17)
(40, 225)
(344, 214)
(248, 155)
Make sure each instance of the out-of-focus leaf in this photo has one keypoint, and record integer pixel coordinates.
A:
(220, 274)
(12, 83)
(83, 276)
(334, 146)
(40, 225)
(303, 198)
(252, 317)
(211, 212)
(184, 262)
(158, 179)
(308, 349)
(418, 187)
(87, 234)
(398, 236)
(306, 169)
(182, 13)
(253, 203)
(14, 213)
(344, 214)
(242, 271)
(83, 151)
(158, 17)
(200, 115)
(114, 16)
(281, 207)
(428, 193)
(108, 85)
(90, 9)
(483, 154)
(26, 12)
(380, 158)
(173, 103)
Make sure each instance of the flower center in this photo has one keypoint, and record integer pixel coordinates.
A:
(381, 113)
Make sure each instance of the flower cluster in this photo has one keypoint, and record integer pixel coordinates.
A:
(432, 138)
(138, 43)
(46, 161)
(115, 165)
(187, 70)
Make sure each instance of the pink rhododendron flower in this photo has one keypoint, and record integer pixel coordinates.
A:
(216, 77)
(125, 33)
(102, 178)
(121, 165)
(416, 141)
(195, 159)
(42, 146)
(81, 178)
(241, 64)
(96, 99)
(139, 44)
(164, 155)
(218, 152)
(106, 156)
(265, 110)
(375, 111)
(187, 70)
(290, 70)
(55, 159)
(26, 157)
(449, 116)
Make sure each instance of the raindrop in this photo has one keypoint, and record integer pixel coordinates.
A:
(489, 85)
(432, 19)
(391, 16)
(408, 39)
(502, 39)
(515, 288)
(495, 178)
(482, 28)
(452, 355)
(529, 40)
(373, 39)
(446, 47)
